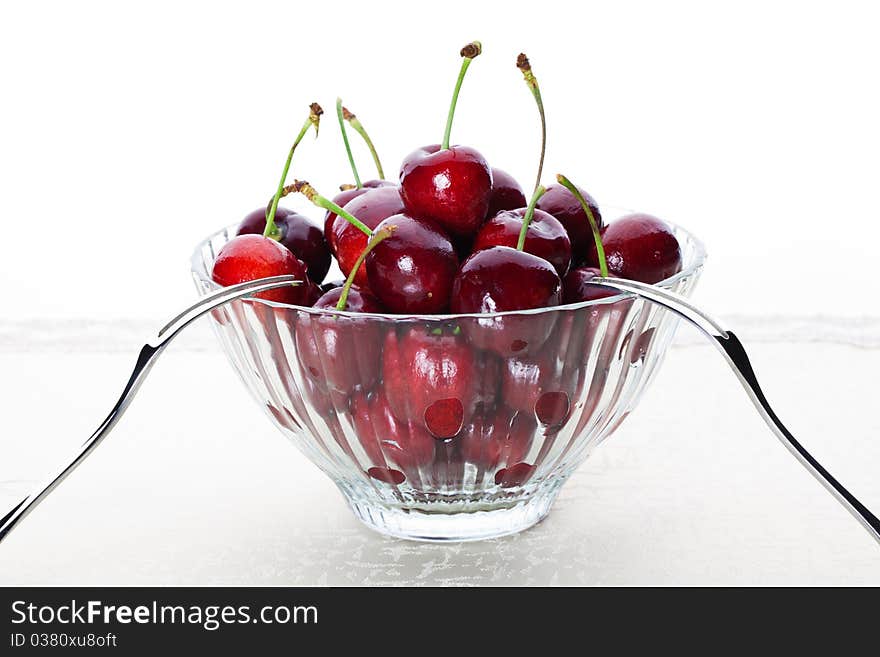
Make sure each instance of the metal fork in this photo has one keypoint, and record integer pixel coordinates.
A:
(146, 359)
(735, 355)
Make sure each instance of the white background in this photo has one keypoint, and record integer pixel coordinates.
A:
(127, 133)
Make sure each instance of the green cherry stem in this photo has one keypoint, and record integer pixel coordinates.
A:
(377, 237)
(600, 249)
(358, 127)
(530, 212)
(468, 53)
(314, 119)
(357, 178)
(522, 63)
(304, 188)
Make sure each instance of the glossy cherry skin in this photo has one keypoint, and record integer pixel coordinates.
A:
(562, 204)
(500, 279)
(506, 193)
(338, 352)
(304, 239)
(412, 271)
(546, 237)
(386, 439)
(249, 257)
(430, 380)
(639, 247)
(496, 436)
(451, 187)
(576, 286)
(371, 208)
(344, 197)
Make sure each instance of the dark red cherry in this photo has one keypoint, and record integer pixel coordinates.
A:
(562, 204)
(338, 353)
(497, 436)
(502, 279)
(412, 271)
(546, 237)
(371, 208)
(385, 438)
(344, 197)
(639, 247)
(506, 193)
(304, 239)
(451, 187)
(576, 286)
(249, 257)
(539, 385)
(430, 379)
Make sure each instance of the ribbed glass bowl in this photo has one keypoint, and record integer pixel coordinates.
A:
(453, 427)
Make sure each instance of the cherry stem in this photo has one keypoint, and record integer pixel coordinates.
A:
(304, 188)
(597, 237)
(468, 53)
(522, 63)
(357, 178)
(358, 127)
(377, 237)
(271, 231)
(527, 219)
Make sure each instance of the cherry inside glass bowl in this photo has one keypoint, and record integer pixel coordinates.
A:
(428, 434)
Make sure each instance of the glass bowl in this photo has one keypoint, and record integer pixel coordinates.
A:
(449, 427)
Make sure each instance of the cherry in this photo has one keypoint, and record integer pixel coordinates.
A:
(500, 279)
(340, 352)
(346, 194)
(250, 257)
(641, 248)
(506, 193)
(412, 272)
(429, 379)
(449, 185)
(297, 233)
(546, 237)
(385, 437)
(580, 285)
(371, 208)
(496, 436)
(563, 205)
(540, 386)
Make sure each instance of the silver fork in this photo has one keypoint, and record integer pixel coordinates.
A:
(146, 359)
(735, 355)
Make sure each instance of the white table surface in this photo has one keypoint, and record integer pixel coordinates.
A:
(195, 486)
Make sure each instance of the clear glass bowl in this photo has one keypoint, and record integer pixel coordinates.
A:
(453, 427)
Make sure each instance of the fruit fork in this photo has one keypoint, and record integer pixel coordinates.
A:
(147, 357)
(736, 357)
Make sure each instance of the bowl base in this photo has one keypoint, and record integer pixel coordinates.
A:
(440, 525)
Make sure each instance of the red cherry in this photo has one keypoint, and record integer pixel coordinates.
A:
(515, 475)
(304, 239)
(338, 352)
(412, 271)
(576, 286)
(344, 197)
(540, 387)
(250, 257)
(385, 438)
(639, 247)
(429, 380)
(450, 186)
(506, 193)
(502, 279)
(371, 208)
(563, 205)
(546, 237)
(497, 436)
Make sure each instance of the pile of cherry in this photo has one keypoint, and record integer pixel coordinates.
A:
(453, 236)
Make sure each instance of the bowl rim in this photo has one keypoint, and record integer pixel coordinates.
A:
(698, 260)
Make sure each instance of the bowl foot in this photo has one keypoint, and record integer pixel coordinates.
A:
(445, 522)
